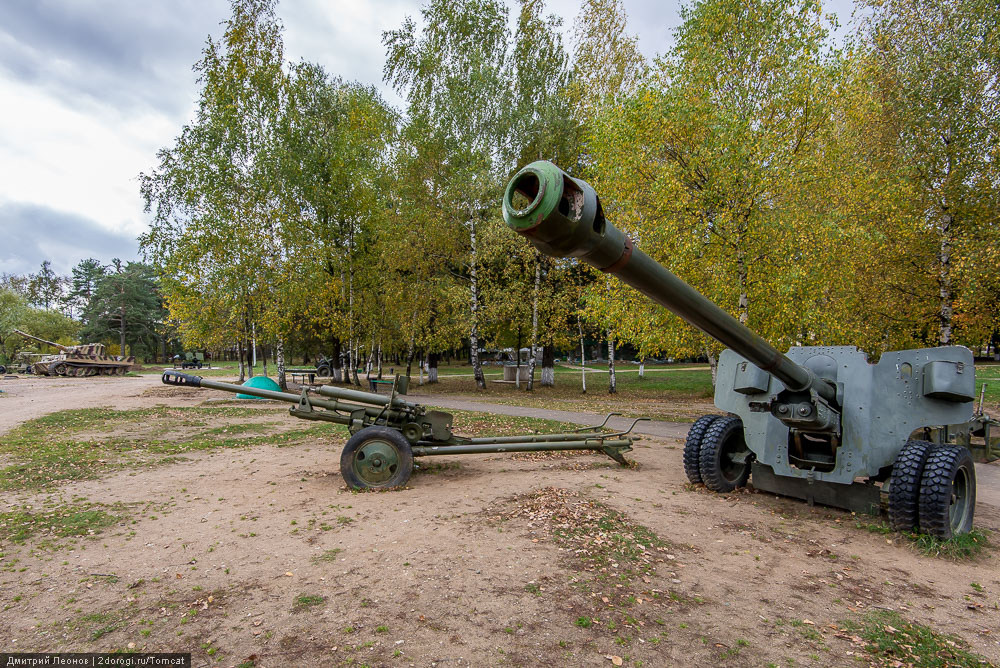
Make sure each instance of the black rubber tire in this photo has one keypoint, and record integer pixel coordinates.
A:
(724, 438)
(396, 477)
(323, 371)
(948, 492)
(3, 369)
(904, 486)
(692, 447)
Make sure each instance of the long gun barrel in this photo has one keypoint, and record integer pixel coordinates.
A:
(35, 338)
(348, 407)
(387, 431)
(562, 217)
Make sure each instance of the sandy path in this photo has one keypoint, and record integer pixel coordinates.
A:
(29, 397)
(429, 573)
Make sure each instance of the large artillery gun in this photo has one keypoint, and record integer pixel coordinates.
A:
(89, 359)
(820, 423)
(387, 431)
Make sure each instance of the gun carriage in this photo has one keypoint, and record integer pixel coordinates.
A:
(820, 423)
(388, 432)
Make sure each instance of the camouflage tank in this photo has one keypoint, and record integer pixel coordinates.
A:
(89, 359)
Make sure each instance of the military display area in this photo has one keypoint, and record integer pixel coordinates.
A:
(502, 332)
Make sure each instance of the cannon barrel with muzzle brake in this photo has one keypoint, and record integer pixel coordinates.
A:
(820, 423)
(387, 431)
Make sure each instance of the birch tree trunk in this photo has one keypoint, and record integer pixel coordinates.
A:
(477, 367)
(279, 358)
(409, 355)
(583, 357)
(612, 381)
(713, 363)
(534, 325)
(239, 354)
(548, 366)
(744, 303)
(517, 362)
(947, 298)
(432, 368)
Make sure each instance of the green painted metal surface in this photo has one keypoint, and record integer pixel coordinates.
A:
(258, 383)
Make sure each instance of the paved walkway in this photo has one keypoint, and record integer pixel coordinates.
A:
(987, 475)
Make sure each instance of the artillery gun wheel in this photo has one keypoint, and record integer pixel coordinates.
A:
(904, 486)
(725, 458)
(692, 447)
(3, 369)
(376, 458)
(323, 371)
(947, 492)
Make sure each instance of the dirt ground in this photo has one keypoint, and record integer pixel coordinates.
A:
(261, 556)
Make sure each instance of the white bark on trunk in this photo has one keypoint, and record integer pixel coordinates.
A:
(279, 358)
(477, 367)
(612, 381)
(583, 357)
(947, 301)
(744, 303)
(713, 363)
(534, 325)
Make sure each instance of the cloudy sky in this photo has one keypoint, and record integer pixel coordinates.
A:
(90, 89)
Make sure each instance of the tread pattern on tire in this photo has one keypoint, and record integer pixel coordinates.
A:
(715, 437)
(692, 447)
(904, 492)
(940, 470)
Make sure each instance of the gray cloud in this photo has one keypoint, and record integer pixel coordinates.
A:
(30, 233)
(124, 55)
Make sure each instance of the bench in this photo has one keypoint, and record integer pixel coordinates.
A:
(300, 375)
(374, 384)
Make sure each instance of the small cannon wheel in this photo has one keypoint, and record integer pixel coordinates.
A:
(904, 486)
(376, 458)
(692, 447)
(725, 457)
(947, 492)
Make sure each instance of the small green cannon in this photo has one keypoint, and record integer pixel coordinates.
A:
(387, 432)
(820, 423)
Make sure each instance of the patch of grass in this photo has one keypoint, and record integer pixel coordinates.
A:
(303, 601)
(874, 527)
(328, 555)
(89, 442)
(891, 638)
(59, 520)
(962, 547)
(474, 423)
(658, 395)
(583, 622)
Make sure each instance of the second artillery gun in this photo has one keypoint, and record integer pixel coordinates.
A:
(89, 359)
(387, 432)
(821, 423)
